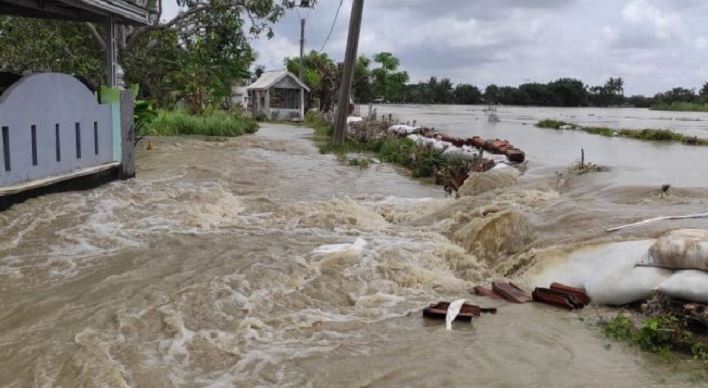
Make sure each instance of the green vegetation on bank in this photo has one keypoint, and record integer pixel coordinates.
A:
(217, 123)
(682, 107)
(643, 134)
(661, 334)
(422, 162)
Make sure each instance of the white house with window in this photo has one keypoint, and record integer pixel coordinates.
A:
(279, 95)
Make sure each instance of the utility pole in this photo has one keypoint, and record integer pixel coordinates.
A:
(348, 71)
(302, 46)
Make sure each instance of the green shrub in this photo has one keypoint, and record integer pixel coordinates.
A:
(661, 334)
(217, 123)
(653, 134)
(553, 124)
(681, 107)
(644, 134)
(609, 132)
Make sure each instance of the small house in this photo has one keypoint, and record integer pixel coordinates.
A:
(279, 95)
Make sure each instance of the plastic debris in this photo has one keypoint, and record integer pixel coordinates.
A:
(466, 312)
(452, 311)
(650, 220)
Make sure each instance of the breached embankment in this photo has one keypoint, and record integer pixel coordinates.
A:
(258, 261)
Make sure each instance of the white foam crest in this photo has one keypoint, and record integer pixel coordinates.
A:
(175, 348)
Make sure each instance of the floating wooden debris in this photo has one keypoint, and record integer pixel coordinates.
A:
(561, 295)
(467, 312)
(484, 291)
(511, 292)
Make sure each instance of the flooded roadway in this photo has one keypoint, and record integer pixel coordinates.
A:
(220, 265)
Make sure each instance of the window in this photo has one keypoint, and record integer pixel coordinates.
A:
(285, 98)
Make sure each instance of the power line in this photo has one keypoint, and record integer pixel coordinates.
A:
(333, 24)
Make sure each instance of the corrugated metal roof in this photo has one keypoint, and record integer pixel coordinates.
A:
(128, 10)
(270, 78)
(123, 11)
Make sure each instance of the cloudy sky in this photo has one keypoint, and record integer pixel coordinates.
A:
(653, 44)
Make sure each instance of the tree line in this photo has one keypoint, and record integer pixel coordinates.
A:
(380, 79)
(196, 58)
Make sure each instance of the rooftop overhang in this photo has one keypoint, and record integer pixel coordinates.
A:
(122, 11)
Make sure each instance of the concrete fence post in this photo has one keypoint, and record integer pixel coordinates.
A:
(127, 129)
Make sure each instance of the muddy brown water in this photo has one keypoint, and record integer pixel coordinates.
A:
(219, 266)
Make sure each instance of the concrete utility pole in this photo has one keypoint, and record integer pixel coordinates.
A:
(302, 46)
(348, 71)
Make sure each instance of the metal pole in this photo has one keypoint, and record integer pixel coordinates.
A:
(302, 46)
(348, 71)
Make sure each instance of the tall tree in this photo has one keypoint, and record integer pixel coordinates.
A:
(387, 81)
(320, 74)
(467, 94)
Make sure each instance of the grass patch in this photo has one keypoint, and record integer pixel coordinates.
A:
(681, 107)
(217, 123)
(664, 135)
(422, 162)
(553, 124)
(662, 334)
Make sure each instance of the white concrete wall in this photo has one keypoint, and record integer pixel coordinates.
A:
(47, 101)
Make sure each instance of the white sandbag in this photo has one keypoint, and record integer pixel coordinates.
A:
(680, 249)
(401, 129)
(439, 145)
(606, 271)
(689, 285)
(626, 285)
(452, 152)
(354, 119)
(415, 138)
(497, 158)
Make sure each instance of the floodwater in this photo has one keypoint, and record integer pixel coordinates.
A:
(256, 261)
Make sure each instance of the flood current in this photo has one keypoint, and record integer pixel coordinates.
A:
(257, 261)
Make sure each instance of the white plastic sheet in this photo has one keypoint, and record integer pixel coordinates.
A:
(452, 312)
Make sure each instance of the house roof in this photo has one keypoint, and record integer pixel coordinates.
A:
(123, 11)
(270, 78)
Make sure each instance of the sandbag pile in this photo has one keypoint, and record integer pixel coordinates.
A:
(458, 146)
(686, 252)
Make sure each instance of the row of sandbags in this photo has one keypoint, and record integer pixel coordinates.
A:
(451, 151)
(462, 146)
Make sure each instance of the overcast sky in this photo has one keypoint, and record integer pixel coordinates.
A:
(653, 44)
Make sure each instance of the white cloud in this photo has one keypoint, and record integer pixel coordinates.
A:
(666, 25)
(654, 44)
